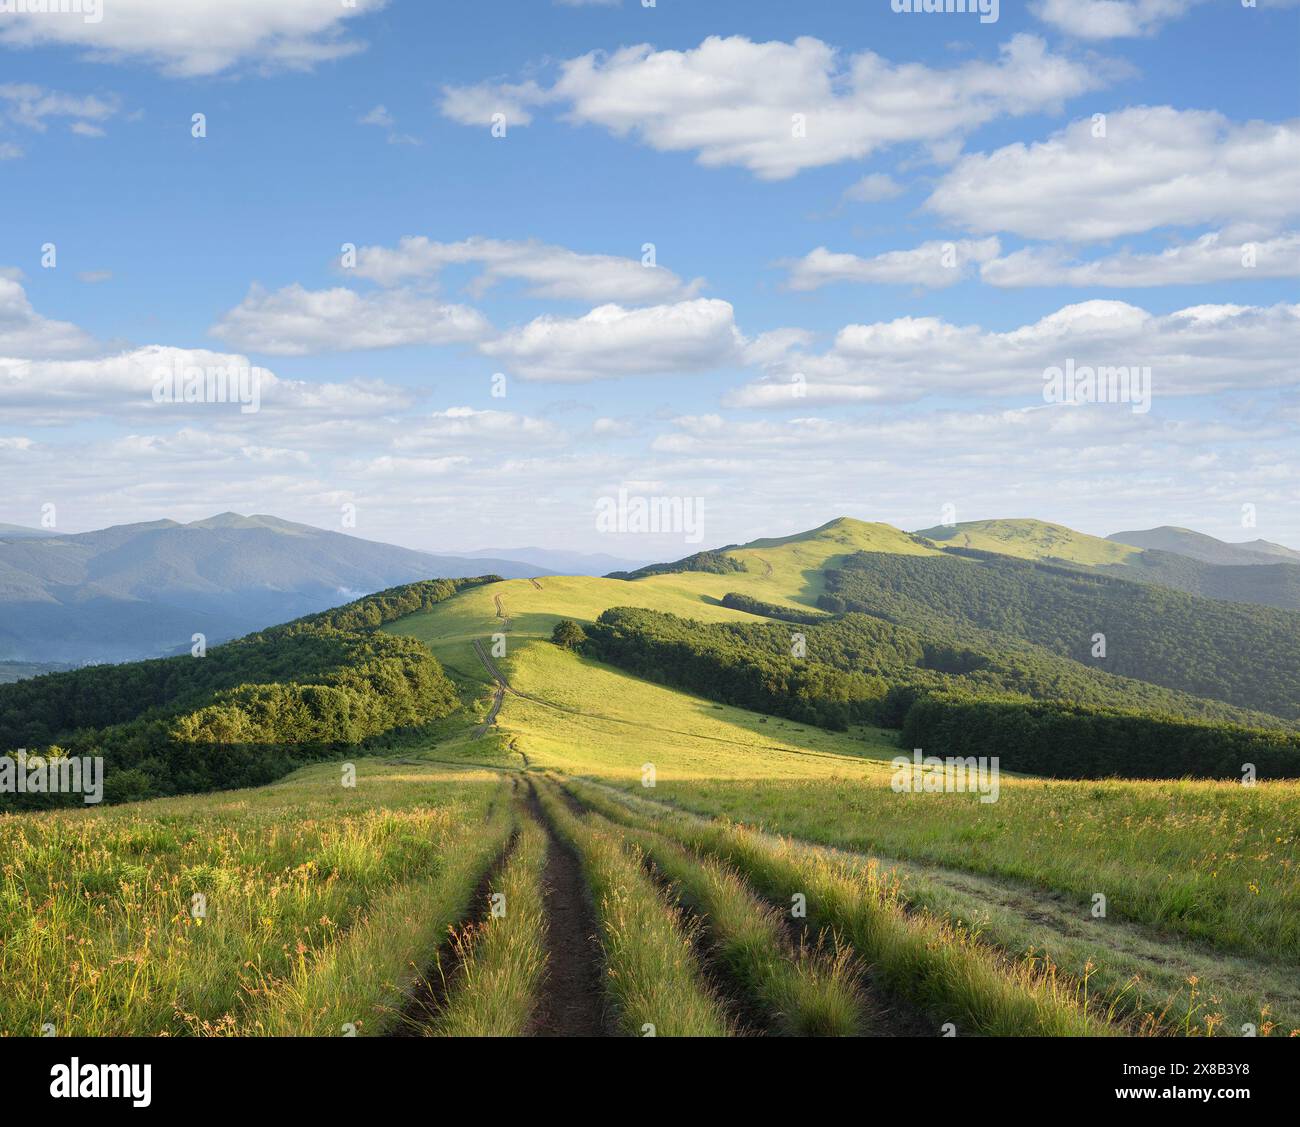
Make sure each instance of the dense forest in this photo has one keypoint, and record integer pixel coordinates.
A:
(859, 669)
(713, 562)
(1246, 655)
(750, 605)
(1272, 584)
(1074, 742)
(246, 712)
(715, 662)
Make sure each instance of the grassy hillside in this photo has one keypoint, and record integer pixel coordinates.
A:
(1171, 899)
(1031, 540)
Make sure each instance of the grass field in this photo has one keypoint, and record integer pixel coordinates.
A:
(650, 882)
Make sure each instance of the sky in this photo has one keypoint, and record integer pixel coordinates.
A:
(480, 271)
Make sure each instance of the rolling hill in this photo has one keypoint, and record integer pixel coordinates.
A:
(142, 590)
(1257, 572)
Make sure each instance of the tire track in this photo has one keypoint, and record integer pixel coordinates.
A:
(428, 998)
(572, 998)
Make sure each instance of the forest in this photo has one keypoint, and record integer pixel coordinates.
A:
(246, 712)
(1239, 653)
(1031, 708)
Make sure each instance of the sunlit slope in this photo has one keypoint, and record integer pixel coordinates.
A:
(598, 719)
(591, 718)
(786, 571)
(601, 721)
(1032, 540)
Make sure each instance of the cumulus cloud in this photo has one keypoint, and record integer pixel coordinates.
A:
(57, 391)
(778, 108)
(1110, 19)
(24, 332)
(295, 321)
(1199, 350)
(549, 271)
(1154, 167)
(1211, 258)
(933, 265)
(198, 37)
(611, 341)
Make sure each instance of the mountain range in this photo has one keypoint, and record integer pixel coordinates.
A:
(143, 590)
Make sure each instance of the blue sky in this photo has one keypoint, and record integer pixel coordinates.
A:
(952, 220)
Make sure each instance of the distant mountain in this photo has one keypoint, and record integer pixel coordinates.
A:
(560, 562)
(22, 532)
(142, 590)
(1198, 546)
(1258, 572)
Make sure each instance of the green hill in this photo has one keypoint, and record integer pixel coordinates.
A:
(1031, 540)
(1258, 572)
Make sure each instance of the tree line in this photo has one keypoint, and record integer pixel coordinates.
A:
(249, 710)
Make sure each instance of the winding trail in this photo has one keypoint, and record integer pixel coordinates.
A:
(571, 1003)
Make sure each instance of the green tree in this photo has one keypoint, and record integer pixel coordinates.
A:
(568, 634)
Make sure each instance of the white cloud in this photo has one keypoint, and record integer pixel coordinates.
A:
(295, 321)
(1155, 167)
(199, 37)
(55, 391)
(550, 271)
(1211, 258)
(873, 188)
(28, 106)
(934, 265)
(611, 341)
(1199, 350)
(23, 332)
(382, 119)
(477, 105)
(1110, 19)
(467, 425)
(733, 101)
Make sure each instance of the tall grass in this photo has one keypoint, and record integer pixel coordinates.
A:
(651, 973)
(303, 883)
(937, 966)
(1214, 862)
(503, 957)
(800, 991)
